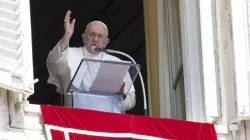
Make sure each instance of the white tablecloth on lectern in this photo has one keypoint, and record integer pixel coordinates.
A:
(98, 101)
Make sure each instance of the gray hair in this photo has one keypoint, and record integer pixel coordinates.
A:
(105, 27)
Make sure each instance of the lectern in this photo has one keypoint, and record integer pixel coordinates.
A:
(97, 85)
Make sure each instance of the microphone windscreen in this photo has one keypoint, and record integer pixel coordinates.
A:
(100, 49)
(92, 48)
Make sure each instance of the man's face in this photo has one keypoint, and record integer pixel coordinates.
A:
(95, 35)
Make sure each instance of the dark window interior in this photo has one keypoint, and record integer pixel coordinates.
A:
(124, 19)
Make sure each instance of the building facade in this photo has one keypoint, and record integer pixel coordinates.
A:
(211, 40)
(197, 58)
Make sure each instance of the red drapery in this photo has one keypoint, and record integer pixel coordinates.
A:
(81, 124)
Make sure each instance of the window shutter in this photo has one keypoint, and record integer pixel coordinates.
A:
(241, 51)
(16, 62)
(210, 68)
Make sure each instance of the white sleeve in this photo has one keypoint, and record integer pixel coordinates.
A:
(130, 101)
(57, 64)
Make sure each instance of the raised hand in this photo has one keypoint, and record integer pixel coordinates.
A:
(69, 26)
(69, 29)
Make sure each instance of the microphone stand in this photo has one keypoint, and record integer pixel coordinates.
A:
(142, 82)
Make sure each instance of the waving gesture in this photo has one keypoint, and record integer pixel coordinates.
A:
(69, 26)
(69, 29)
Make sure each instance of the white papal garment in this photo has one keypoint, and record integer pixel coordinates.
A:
(63, 65)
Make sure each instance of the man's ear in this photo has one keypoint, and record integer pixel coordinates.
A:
(107, 42)
(84, 37)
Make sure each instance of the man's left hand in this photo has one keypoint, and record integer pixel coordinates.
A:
(122, 88)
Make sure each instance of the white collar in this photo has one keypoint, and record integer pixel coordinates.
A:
(89, 55)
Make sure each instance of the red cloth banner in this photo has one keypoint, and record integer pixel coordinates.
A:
(79, 124)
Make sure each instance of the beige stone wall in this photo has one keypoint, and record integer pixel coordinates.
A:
(4, 112)
(12, 126)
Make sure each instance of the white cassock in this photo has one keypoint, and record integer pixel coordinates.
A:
(63, 65)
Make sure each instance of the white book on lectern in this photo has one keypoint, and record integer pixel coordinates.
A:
(110, 77)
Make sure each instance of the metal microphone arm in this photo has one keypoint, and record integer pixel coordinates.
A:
(142, 82)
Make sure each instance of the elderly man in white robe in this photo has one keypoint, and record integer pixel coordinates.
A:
(63, 60)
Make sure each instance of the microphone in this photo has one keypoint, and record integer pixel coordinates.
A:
(97, 49)
(94, 48)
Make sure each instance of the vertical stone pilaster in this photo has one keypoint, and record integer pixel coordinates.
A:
(4, 111)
